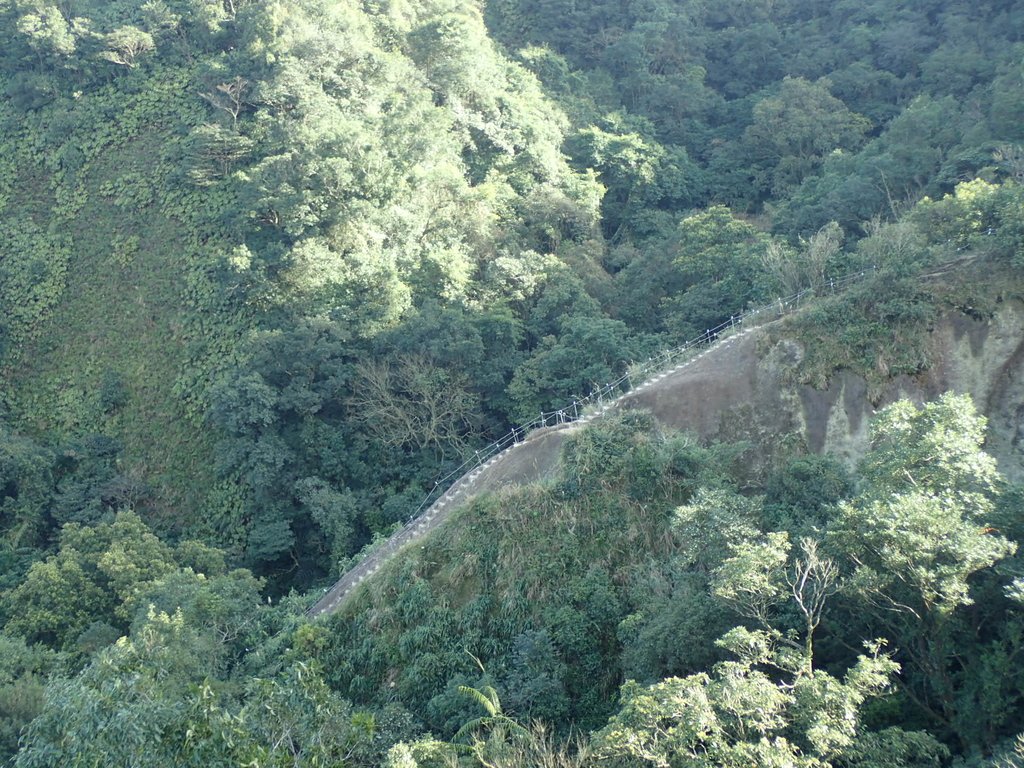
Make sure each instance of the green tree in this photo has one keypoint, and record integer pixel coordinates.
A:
(793, 130)
(23, 673)
(124, 707)
(718, 260)
(126, 45)
(57, 601)
(587, 354)
(771, 705)
(800, 496)
(226, 610)
(49, 33)
(26, 490)
(534, 684)
(917, 535)
(741, 715)
(627, 163)
(97, 574)
(299, 721)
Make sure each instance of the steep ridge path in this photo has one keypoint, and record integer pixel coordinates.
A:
(523, 454)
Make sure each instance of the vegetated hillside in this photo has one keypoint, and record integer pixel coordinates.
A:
(810, 111)
(247, 240)
(650, 559)
(269, 267)
(273, 266)
(778, 384)
(811, 382)
(507, 570)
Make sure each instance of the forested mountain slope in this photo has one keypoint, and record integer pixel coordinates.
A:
(812, 111)
(753, 385)
(224, 220)
(269, 267)
(273, 266)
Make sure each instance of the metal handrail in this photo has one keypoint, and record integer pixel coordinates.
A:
(447, 486)
(575, 410)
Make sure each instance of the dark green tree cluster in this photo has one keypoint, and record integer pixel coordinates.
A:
(814, 111)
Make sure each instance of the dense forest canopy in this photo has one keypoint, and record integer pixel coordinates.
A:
(270, 267)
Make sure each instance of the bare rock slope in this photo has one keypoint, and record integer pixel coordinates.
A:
(746, 390)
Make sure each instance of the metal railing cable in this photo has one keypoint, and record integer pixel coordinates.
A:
(580, 409)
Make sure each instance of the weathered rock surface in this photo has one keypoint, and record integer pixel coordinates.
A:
(747, 391)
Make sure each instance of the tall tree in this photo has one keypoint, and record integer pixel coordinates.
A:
(917, 534)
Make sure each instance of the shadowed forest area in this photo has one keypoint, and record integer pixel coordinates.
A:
(268, 268)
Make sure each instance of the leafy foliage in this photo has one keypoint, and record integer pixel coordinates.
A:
(269, 268)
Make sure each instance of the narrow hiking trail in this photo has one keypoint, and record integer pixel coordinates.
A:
(525, 461)
(529, 453)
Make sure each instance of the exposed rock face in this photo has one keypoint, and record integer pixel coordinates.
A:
(986, 359)
(746, 391)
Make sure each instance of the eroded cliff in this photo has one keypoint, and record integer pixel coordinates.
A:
(751, 390)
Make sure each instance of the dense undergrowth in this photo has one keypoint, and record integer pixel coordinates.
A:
(267, 268)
